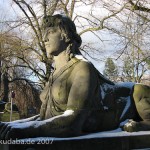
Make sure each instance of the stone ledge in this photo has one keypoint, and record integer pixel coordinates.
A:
(109, 140)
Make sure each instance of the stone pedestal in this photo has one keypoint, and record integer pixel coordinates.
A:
(110, 140)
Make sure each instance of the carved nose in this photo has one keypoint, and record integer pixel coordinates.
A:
(46, 39)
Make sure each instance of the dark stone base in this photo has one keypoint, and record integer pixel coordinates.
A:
(98, 141)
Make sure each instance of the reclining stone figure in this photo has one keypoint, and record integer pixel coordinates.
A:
(77, 99)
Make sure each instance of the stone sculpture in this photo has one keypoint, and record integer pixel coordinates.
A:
(77, 99)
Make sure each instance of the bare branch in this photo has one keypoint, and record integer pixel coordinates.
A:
(135, 6)
(53, 7)
(72, 8)
(101, 25)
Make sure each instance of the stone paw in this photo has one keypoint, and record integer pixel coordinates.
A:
(131, 126)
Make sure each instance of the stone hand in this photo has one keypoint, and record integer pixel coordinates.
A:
(3, 125)
(131, 126)
(17, 130)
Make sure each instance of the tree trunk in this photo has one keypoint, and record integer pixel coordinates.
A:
(0, 72)
(0, 75)
(6, 87)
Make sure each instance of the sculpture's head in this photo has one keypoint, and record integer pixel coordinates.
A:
(67, 29)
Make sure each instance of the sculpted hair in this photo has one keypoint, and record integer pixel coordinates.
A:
(67, 27)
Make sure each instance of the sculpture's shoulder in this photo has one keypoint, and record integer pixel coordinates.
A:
(83, 66)
(88, 68)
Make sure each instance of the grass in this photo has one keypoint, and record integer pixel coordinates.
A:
(5, 117)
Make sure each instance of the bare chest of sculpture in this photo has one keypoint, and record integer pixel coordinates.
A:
(56, 92)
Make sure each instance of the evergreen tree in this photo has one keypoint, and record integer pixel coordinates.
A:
(148, 62)
(128, 70)
(110, 70)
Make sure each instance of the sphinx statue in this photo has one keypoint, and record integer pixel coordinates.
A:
(78, 99)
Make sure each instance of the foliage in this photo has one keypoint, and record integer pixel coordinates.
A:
(110, 70)
(128, 67)
(26, 96)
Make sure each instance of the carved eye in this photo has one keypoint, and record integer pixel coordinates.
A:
(51, 31)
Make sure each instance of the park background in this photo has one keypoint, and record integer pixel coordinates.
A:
(115, 38)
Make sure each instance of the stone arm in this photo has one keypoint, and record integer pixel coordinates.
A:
(33, 118)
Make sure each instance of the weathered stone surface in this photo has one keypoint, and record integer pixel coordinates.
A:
(109, 140)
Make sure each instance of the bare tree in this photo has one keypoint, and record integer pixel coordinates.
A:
(112, 15)
(33, 48)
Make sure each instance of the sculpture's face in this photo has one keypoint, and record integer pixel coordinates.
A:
(53, 41)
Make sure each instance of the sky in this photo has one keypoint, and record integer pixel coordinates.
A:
(100, 55)
(5, 7)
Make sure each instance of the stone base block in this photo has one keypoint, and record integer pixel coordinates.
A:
(110, 140)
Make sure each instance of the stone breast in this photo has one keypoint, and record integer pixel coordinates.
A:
(61, 88)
